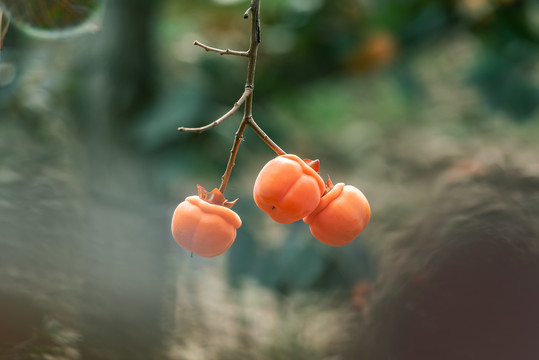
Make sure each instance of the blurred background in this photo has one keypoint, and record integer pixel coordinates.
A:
(403, 99)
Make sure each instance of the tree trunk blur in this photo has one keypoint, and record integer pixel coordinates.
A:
(126, 241)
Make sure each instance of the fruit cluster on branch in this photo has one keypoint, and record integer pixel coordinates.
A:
(287, 188)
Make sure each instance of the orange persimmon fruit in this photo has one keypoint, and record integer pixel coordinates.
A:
(343, 212)
(288, 188)
(205, 224)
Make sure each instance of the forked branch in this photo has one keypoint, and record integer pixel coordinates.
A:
(230, 112)
(246, 98)
(254, 9)
(251, 122)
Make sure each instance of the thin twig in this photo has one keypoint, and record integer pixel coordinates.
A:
(230, 112)
(6, 26)
(3, 30)
(233, 152)
(221, 52)
(258, 130)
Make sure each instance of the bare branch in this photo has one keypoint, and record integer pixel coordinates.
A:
(221, 52)
(246, 97)
(3, 30)
(230, 112)
(249, 84)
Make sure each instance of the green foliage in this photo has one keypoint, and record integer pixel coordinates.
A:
(506, 86)
(319, 90)
(321, 93)
(306, 41)
(300, 263)
(450, 94)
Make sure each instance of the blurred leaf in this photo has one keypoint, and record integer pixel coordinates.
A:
(301, 263)
(158, 125)
(505, 87)
(242, 256)
(355, 261)
(307, 269)
(298, 264)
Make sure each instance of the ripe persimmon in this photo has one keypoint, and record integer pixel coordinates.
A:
(343, 212)
(288, 188)
(205, 224)
(379, 50)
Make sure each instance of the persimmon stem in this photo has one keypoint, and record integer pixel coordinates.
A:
(264, 137)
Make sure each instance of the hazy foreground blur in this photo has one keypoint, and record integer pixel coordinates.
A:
(429, 107)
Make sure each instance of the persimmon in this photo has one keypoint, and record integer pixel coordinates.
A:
(343, 212)
(288, 188)
(205, 224)
(379, 50)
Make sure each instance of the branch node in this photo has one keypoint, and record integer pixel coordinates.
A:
(246, 15)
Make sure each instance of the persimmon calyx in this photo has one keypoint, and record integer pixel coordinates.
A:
(215, 197)
(313, 164)
(329, 186)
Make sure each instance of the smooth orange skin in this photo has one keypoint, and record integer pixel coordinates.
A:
(341, 215)
(288, 189)
(205, 229)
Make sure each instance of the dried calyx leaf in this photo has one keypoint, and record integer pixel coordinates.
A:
(313, 164)
(215, 197)
(329, 186)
